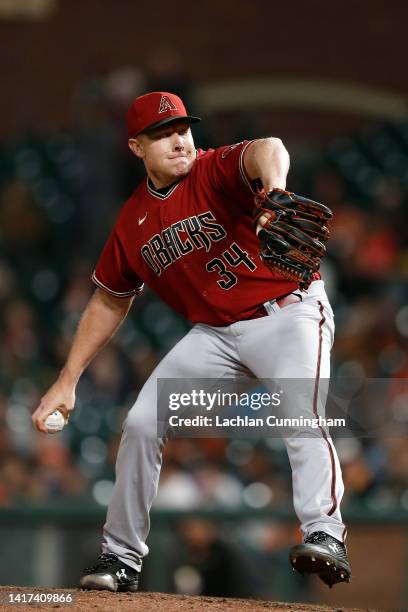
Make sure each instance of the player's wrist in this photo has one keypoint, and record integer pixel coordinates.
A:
(269, 186)
(68, 377)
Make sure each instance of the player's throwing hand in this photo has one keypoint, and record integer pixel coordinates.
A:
(61, 396)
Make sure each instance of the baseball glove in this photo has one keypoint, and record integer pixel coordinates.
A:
(293, 231)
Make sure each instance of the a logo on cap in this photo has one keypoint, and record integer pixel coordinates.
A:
(166, 104)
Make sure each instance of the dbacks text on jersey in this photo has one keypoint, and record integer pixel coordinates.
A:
(180, 238)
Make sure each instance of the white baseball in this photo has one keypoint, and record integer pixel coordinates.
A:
(55, 422)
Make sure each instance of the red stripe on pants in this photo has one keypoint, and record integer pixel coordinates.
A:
(315, 397)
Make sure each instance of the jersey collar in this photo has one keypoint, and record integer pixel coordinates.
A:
(163, 192)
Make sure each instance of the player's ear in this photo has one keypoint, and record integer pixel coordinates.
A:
(136, 147)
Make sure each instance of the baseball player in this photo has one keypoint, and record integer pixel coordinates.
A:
(187, 232)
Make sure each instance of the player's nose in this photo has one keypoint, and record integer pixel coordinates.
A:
(178, 142)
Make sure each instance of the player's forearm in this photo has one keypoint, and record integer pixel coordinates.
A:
(100, 320)
(268, 160)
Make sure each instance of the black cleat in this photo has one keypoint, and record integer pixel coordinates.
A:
(110, 574)
(323, 555)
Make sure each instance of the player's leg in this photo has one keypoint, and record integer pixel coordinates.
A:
(300, 339)
(202, 353)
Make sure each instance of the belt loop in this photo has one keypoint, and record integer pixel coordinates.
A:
(271, 306)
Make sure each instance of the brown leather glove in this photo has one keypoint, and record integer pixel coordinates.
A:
(293, 234)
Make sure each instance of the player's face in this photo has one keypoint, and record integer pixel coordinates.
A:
(168, 152)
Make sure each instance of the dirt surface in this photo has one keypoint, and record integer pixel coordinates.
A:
(102, 601)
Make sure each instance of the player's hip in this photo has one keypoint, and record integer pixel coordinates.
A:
(316, 295)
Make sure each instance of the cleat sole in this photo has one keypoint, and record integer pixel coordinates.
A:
(330, 570)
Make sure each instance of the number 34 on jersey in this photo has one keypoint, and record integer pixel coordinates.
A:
(232, 257)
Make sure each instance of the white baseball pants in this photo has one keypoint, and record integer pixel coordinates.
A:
(291, 342)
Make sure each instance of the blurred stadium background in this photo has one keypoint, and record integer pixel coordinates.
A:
(331, 83)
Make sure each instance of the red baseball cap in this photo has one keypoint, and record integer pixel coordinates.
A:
(154, 110)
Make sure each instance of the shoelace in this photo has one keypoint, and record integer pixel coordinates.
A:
(105, 560)
(318, 537)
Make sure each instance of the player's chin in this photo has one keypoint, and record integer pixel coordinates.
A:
(182, 167)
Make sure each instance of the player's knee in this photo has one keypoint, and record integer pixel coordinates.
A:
(140, 423)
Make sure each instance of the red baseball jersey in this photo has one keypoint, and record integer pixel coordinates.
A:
(193, 243)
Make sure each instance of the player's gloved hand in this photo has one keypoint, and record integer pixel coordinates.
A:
(293, 231)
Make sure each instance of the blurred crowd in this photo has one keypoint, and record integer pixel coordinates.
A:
(60, 190)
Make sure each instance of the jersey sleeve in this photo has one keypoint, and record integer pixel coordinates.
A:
(227, 171)
(113, 272)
